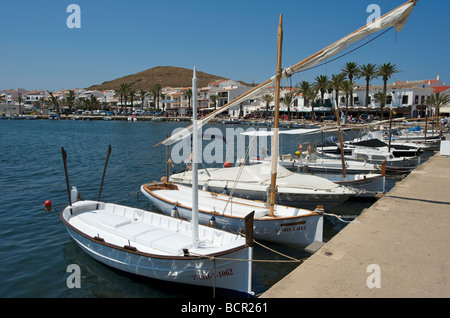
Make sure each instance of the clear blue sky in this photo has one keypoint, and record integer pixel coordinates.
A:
(233, 39)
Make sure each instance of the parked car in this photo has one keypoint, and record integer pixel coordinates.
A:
(328, 118)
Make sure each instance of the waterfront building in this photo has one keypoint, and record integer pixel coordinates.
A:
(30, 98)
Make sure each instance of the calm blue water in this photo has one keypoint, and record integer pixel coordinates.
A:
(35, 248)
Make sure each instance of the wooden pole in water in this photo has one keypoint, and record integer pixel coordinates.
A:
(104, 172)
(64, 155)
(276, 118)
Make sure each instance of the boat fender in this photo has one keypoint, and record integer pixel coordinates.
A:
(319, 209)
(227, 164)
(174, 212)
(74, 195)
(212, 221)
(48, 205)
(205, 187)
(225, 190)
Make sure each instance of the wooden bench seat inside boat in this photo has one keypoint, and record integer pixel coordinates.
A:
(165, 234)
(140, 232)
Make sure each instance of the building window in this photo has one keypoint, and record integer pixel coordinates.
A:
(389, 99)
(416, 99)
(405, 99)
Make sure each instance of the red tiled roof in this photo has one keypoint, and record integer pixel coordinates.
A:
(440, 89)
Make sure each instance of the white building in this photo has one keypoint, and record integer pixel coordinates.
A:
(225, 90)
(30, 98)
(408, 98)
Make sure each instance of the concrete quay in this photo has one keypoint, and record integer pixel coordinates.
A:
(397, 248)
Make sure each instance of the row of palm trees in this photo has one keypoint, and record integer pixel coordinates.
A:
(342, 82)
(127, 93)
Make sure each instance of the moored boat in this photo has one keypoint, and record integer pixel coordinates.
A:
(288, 225)
(153, 245)
(253, 181)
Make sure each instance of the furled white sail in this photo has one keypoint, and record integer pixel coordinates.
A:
(396, 18)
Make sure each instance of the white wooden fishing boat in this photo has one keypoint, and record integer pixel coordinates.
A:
(153, 245)
(321, 165)
(252, 182)
(160, 247)
(367, 184)
(369, 152)
(400, 147)
(288, 226)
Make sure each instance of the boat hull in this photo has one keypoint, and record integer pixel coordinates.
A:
(368, 186)
(291, 230)
(189, 272)
(301, 200)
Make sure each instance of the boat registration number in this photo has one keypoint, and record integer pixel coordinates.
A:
(221, 273)
(293, 227)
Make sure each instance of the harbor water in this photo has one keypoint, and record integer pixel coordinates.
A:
(35, 248)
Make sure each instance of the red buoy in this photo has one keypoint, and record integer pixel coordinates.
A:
(48, 205)
(227, 164)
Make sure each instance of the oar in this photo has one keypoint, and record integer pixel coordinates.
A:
(64, 155)
(104, 171)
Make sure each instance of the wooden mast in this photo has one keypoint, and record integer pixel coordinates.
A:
(275, 134)
(341, 145)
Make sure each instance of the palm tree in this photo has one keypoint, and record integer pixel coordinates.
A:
(311, 96)
(288, 99)
(380, 97)
(156, 90)
(188, 93)
(70, 99)
(132, 96)
(213, 98)
(351, 70)
(322, 84)
(303, 88)
(386, 71)
(20, 100)
(142, 94)
(267, 98)
(437, 100)
(54, 102)
(93, 103)
(347, 88)
(241, 111)
(123, 93)
(163, 97)
(369, 72)
(336, 84)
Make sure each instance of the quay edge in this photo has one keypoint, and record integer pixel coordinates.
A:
(397, 248)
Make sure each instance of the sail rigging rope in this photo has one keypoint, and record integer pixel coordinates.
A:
(336, 58)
